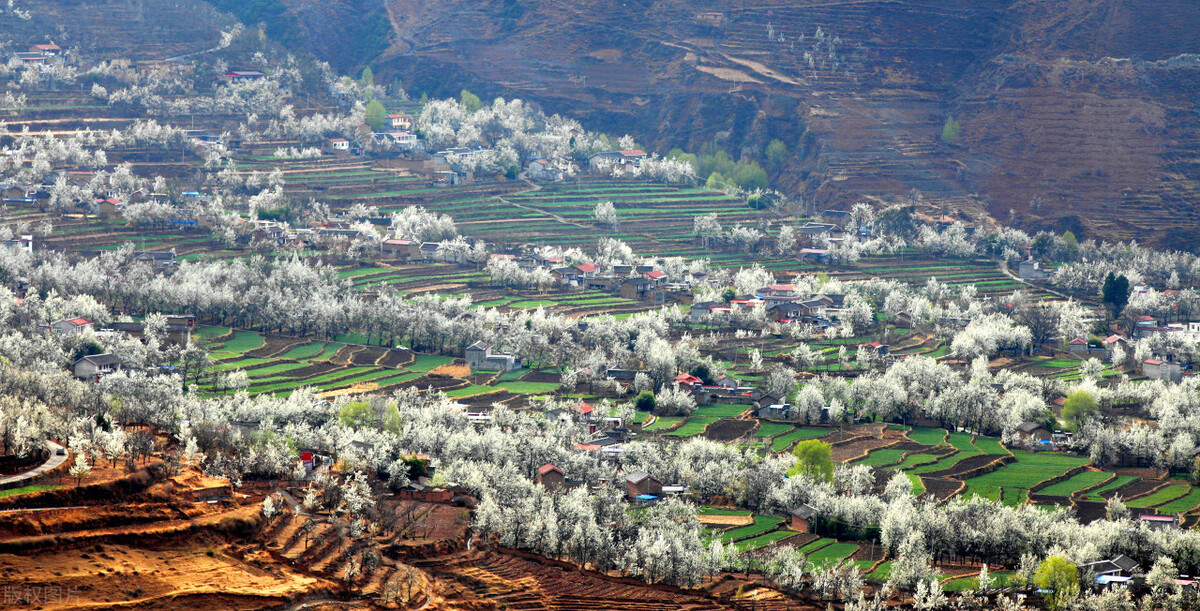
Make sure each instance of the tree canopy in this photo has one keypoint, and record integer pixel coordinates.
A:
(814, 459)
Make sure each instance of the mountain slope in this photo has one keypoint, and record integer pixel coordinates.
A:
(1052, 128)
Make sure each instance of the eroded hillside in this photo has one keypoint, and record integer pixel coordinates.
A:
(1073, 113)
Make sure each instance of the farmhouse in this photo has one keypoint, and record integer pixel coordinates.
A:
(1158, 369)
(403, 250)
(1032, 432)
(159, 259)
(1119, 566)
(802, 518)
(1031, 270)
(46, 50)
(777, 411)
(241, 76)
(337, 145)
(543, 170)
(640, 485)
(641, 289)
(176, 333)
(25, 243)
(402, 121)
(814, 229)
(1157, 522)
(72, 326)
(480, 356)
(550, 477)
(95, 366)
(631, 157)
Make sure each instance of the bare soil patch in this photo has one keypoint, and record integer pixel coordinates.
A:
(940, 488)
(718, 520)
(453, 371)
(728, 429)
(367, 356)
(396, 359)
(273, 346)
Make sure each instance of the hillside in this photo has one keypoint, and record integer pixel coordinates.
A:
(1053, 127)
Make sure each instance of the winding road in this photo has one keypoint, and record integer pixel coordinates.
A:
(52, 463)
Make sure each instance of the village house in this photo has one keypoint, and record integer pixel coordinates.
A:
(642, 486)
(543, 170)
(72, 326)
(814, 255)
(481, 356)
(336, 146)
(160, 260)
(24, 242)
(550, 477)
(1119, 566)
(46, 50)
(95, 366)
(1031, 270)
(241, 76)
(1032, 432)
(1157, 522)
(802, 518)
(400, 249)
(1159, 369)
(812, 230)
(641, 289)
(402, 121)
(630, 157)
(777, 411)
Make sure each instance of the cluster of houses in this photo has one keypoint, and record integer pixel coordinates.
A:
(93, 367)
(47, 56)
(782, 303)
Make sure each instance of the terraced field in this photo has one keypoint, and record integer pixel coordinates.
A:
(281, 365)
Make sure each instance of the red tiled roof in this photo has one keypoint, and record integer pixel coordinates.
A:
(632, 152)
(1153, 362)
(1145, 318)
(587, 267)
(546, 468)
(587, 447)
(656, 274)
(687, 378)
(79, 322)
(584, 408)
(1078, 340)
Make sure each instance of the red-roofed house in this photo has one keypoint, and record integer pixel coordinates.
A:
(656, 277)
(687, 379)
(73, 326)
(583, 408)
(587, 269)
(238, 76)
(337, 145)
(550, 477)
(1158, 522)
(47, 50)
(1157, 369)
